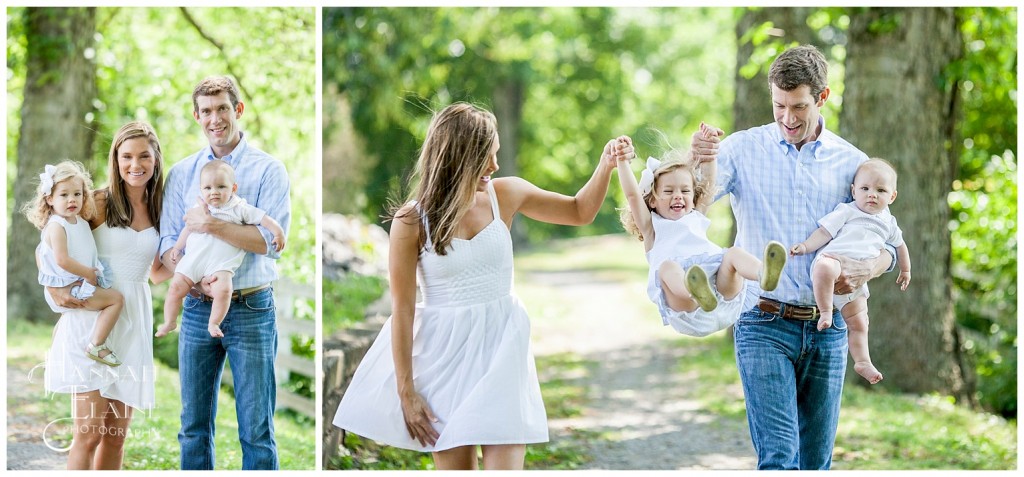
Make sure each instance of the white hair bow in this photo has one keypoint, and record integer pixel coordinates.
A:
(46, 180)
(647, 176)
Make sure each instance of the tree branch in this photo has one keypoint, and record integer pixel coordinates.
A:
(227, 60)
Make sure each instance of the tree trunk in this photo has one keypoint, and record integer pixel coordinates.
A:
(60, 86)
(508, 110)
(753, 105)
(897, 108)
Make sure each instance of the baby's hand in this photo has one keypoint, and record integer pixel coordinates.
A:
(91, 276)
(175, 255)
(798, 249)
(278, 242)
(903, 280)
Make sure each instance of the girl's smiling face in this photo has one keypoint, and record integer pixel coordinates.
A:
(672, 196)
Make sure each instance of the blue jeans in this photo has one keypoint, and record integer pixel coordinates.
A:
(250, 344)
(793, 383)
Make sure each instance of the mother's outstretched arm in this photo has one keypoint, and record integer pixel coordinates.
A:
(519, 195)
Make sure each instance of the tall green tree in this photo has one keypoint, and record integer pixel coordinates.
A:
(897, 107)
(562, 82)
(55, 124)
(984, 201)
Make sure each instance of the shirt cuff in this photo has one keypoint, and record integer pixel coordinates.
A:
(895, 259)
(274, 254)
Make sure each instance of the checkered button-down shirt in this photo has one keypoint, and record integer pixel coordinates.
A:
(778, 192)
(262, 182)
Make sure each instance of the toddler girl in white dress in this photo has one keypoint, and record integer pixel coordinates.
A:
(695, 283)
(67, 251)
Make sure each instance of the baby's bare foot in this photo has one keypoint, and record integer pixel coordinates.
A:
(166, 328)
(215, 331)
(867, 371)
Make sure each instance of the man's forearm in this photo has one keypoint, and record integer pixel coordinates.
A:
(245, 237)
(882, 264)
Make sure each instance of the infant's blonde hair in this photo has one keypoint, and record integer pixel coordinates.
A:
(38, 211)
(879, 164)
(703, 189)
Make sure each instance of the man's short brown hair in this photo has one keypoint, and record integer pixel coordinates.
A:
(801, 65)
(212, 86)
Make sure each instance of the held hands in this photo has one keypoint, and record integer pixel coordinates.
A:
(704, 144)
(903, 280)
(419, 419)
(617, 150)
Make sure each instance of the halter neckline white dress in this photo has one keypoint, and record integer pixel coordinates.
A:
(471, 357)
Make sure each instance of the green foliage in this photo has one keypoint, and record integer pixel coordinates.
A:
(984, 201)
(587, 75)
(147, 76)
(345, 301)
(902, 432)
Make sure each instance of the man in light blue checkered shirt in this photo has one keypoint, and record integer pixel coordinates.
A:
(781, 178)
(250, 328)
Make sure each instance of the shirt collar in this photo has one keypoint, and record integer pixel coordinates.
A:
(231, 158)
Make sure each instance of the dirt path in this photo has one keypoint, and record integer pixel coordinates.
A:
(25, 426)
(638, 396)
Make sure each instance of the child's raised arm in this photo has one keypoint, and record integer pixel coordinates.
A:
(58, 240)
(634, 196)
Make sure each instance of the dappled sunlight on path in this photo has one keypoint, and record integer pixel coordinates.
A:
(640, 397)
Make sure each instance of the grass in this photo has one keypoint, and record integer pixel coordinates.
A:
(345, 301)
(877, 430)
(152, 442)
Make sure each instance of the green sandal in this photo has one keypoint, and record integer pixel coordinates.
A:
(700, 289)
(771, 266)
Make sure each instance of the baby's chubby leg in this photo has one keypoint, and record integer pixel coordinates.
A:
(823, 278)
(855, 314)
(220, 291)
(180, 286)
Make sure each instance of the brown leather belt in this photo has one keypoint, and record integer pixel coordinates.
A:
(785, 310)
(236, 295)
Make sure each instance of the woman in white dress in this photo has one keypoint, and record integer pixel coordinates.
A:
(125, 227)
(455, 371)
